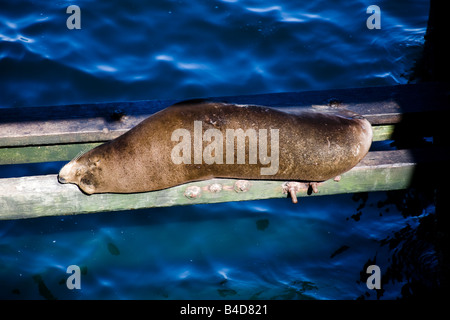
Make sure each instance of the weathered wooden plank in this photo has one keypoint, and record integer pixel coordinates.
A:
(104, 121)
(35, 154)
(38, 196)
(383, 132)
(66, 152)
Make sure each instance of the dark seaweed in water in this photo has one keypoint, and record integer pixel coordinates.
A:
(339, 251)
(112, 248)
(262, 224)
(415, 253)
(43, 289)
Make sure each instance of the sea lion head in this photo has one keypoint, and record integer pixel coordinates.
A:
(82, 171)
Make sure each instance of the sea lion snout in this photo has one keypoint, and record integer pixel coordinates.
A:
(61, 179)
(83, 171)
(71, 173)
(64, 173)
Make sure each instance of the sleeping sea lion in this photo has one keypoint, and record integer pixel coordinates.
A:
(199, 140)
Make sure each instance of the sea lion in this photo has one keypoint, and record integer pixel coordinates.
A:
(199, 140)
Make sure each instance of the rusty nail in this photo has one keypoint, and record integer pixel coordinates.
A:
(313, 186)
(292, 188)
(118, 115)
(293, 194)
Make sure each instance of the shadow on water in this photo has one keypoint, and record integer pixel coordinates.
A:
(419, 255)
(414, 250)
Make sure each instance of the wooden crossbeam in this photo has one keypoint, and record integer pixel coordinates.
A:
(38, 196)
(105, 121)
(66, 152)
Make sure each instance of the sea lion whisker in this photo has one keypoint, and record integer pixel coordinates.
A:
(80, 153)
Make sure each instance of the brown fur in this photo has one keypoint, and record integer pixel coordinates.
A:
(313, 146)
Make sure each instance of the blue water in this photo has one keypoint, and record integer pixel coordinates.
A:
(271, 249)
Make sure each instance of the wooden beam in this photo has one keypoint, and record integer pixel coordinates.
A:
(66, 152)
(38, 196)
(35, 154)
(59, 133)
(104, 121)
